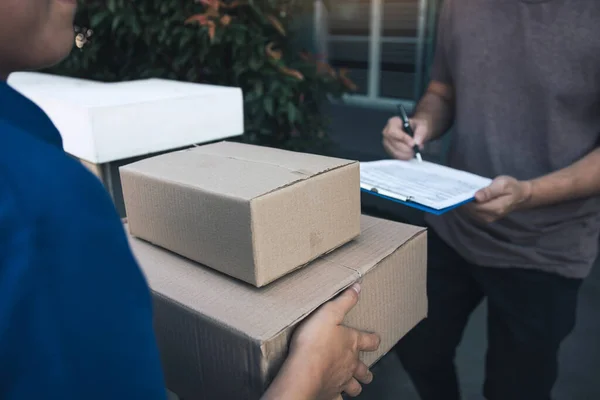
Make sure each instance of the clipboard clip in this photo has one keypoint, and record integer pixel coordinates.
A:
(400, 197)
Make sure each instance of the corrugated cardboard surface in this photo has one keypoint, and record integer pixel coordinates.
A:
(223, 339)
(251, 212)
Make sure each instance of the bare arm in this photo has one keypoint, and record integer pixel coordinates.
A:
(293, 386)
(577, 181)
(324, 356)
(436, 109)
(433, 117)
(506, 194)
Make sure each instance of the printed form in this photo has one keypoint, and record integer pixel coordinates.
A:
(431, 185)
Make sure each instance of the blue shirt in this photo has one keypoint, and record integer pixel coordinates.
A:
(75, 310)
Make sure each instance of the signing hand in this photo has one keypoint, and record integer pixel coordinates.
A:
(503, 196)
(398, 143)
(323, 360)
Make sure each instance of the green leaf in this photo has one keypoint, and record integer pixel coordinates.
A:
(274, 86)
(98, 18)
(259, 88)
(269, 105)
(111, 5)
(136, 28)
(292, 112)
(117, 19)
(255, 63)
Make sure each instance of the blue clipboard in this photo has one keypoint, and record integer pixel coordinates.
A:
(418, 206)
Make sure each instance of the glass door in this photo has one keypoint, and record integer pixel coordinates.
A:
(386, 44)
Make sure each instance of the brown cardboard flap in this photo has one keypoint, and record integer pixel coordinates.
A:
(375, 244)
(257, 313)
(224, 339)
(262, 313)
(240, 171)
(290, 160)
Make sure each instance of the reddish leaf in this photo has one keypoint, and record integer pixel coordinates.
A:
(234, 4)
(304, 55)
(323, 67)
(225, 20)
(347, 81)
(276, 24)
(291, 72)
(211, 30)
(210, 3)
(272, 53)
(201, 19)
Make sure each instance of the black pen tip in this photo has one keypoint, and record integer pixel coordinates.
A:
(402, 112)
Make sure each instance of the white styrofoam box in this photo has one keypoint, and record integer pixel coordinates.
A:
(19, 79)
(104, 122)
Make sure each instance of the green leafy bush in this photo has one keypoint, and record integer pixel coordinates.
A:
(234, 43)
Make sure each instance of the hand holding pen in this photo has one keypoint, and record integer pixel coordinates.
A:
(402, 138)
(409, 130)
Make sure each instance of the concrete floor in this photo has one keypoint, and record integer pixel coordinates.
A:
(357, 133)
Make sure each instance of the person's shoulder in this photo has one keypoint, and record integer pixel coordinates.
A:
(44, 180)
(64, 250)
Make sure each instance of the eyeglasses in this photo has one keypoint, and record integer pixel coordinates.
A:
(82, 36)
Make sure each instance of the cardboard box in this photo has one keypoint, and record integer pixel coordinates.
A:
(223, 339)
(254, 213)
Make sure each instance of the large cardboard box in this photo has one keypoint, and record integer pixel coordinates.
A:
(223, 339)
(254, 213)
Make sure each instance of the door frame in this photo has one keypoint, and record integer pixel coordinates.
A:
(426, 21)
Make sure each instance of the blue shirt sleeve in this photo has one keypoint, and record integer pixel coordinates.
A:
(75, 309)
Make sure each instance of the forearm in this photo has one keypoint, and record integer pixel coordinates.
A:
(437, 108)
(579, 180)
(293, 383)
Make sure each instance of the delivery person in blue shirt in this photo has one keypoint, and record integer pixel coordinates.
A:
(75, 310)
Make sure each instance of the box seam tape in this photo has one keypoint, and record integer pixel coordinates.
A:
(302, 179)
(360, 274)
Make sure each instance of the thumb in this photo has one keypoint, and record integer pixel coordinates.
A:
(481, 196)
(495, 189)
(345, 302)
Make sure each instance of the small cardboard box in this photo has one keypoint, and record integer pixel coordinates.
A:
(223, 339)
(254, 213)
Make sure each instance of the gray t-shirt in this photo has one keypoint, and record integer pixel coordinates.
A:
(526, 74)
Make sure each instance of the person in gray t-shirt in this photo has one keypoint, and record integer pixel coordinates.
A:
(520, 82)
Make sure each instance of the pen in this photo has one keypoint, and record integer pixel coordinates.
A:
(408, 129)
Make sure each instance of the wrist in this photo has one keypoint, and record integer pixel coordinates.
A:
(295, 381)
(527, 189)
(426, 124)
